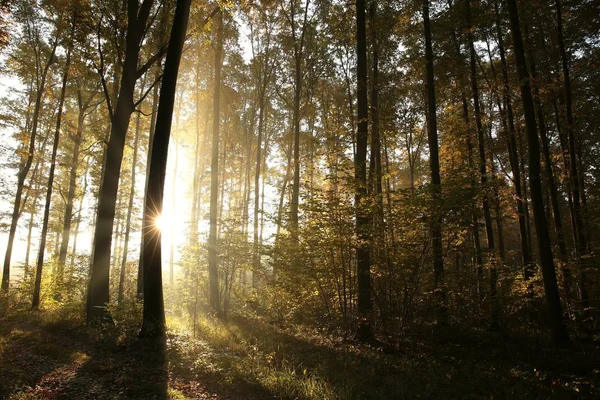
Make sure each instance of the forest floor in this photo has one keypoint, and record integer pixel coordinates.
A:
(247, 358)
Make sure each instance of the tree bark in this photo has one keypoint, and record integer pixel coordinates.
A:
(98, 288)
(559, 329)
(434, 166)
(136, 141)
(521, 200)
(487, 217)
(363, 266)
(40, 260)
(213, 272)
(153, 324)
(579, 231)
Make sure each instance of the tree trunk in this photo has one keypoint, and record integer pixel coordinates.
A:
(40, 261)
(363, 267)
(482, 164)
(213, 272)
(25, 169)
(434, 165)
(140, 278)
(67, 221)
(136, 141)
(98, 289)
(512, 150)
(153, 324)
(581, 244)
(559, 329)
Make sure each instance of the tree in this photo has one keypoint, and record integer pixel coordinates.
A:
(40, 260)
(42, 66)
(137, 26)
(365, 305)
(154, 315)
(559, 329)
(434, 165)
(213, 252)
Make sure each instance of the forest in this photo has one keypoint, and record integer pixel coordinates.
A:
(299, 199)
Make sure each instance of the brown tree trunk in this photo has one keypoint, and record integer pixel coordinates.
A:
(559, 329)
(579, 230)
(98, 288)
(363, 264)
(434, 166)
(136, 141)
(213, 271)
(40, 260)
(512, 150)
(482, 164)
(153, 323)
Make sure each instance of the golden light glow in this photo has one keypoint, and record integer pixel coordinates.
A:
(162, 223)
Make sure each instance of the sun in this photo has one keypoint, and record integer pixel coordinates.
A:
(162, 223)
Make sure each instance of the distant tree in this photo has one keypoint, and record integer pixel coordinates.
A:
(213, 251)
(59, 114)
(45, 57)
(365, 305)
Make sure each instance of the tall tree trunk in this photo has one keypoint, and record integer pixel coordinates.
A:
(513, 152)
(482, 163)
(79, 210)
(434, 165)
(213, 272)
(549, 172)
(40, 260)
(559, 329)
(67, 220)
(140, 277)
(298, 87)
(363, 266)
(136, 141)
(173, 205)
(98, 288)
(153, 323)
(41, 87)
(581, 244)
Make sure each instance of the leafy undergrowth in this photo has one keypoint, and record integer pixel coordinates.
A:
(248, 358)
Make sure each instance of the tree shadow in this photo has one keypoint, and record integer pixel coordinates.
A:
(27, 356)
(61, 361)
(453, 370)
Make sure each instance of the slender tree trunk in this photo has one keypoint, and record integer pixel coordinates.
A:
(140, 278)
(298, 87)
(79, 211)
(40, 261)
(213, 272)
(434, 165)
(513, 152)
(559, 329)
(25, 168)
(173, 205)
(482, 164)
(153, 323)
(549, 172)
(77, 138)
(579, 230)
(363, 264)
(136, 141)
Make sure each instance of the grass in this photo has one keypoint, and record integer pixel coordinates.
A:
(43, 357)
